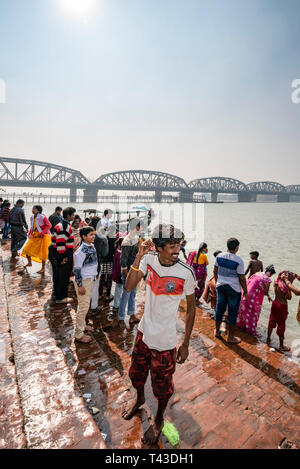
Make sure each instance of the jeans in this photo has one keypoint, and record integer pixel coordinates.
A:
(118, 294)
(6, 230)
(127, 297)
(227, 296)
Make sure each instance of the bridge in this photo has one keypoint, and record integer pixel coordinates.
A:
(28, 173)
(19, 172)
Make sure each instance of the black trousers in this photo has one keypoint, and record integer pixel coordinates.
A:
(18, 237)
(61, 276)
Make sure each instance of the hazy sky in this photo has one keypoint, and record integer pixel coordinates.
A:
(195, 88)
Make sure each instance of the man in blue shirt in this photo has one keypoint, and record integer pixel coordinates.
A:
(230, 279)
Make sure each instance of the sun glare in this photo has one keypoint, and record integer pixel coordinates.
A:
(80, 9)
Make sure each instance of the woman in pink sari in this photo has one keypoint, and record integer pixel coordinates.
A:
(258, 286)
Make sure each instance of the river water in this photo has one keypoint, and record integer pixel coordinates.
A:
(273, 229)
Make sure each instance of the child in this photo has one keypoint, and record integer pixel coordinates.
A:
(117, 275)
(210, 294)
(85, 271)
(254, 265)
(279, 309)
(182, 248)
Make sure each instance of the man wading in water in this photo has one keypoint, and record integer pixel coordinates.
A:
(167, 278)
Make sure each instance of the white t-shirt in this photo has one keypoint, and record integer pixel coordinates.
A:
(229, 267)
(164, 289)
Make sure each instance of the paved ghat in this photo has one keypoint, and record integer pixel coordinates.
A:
(61, 394)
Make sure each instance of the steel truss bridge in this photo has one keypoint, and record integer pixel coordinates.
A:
(16, 172)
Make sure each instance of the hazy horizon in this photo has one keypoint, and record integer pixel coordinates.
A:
(195, 88)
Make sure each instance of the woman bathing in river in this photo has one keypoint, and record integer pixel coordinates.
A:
(258, 286)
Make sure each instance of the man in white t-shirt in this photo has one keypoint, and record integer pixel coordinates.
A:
(167, 279)
(230, 278)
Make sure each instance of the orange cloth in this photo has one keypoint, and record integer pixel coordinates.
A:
(37, 247)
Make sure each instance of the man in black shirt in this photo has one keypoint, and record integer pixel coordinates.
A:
(55, 218)
(18, 227)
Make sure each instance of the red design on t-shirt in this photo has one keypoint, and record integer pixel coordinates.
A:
(164, 285)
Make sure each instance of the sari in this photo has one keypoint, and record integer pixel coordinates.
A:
(37, 247)
(250, 309)
(200, 273)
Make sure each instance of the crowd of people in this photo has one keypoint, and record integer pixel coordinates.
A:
(239, 299)
(97, 256)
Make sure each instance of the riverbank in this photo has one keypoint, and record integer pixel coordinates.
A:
(58, 394)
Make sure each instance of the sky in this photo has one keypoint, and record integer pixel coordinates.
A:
(190, 87)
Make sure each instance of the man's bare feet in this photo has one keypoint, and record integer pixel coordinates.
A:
(152, 435)
(128, 414)
(85, 339)
(121, 324)
(284, 348)
(42, 271)
(28, 265)
(233, 340)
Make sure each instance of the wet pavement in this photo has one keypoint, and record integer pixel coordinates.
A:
(11, 417)
(54, 413)
(241, 396)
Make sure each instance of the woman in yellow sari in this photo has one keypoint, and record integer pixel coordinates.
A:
(36, 248)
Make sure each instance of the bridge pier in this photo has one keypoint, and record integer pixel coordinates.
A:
(73, 195)
(90, 195)
(186, 197)
(283, 197)
(247, 197)
(158, 196)
(214, 197)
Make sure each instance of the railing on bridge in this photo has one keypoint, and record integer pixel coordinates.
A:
(29, 173)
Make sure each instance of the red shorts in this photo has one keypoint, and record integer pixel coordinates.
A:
(278, 316)
(161, 365)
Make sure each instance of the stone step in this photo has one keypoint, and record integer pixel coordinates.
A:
(12, 434)
(55, 414)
